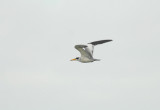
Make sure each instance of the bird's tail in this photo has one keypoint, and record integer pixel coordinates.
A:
(96, 59)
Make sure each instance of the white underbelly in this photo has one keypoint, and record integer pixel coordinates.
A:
(86, 60)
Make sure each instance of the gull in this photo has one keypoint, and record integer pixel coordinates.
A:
(86, 51)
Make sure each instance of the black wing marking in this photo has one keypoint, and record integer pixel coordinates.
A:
(99, 42)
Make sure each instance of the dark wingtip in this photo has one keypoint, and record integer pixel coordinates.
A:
(100, 42)
(109, 40)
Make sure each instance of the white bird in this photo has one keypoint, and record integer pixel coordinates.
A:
(86, 51)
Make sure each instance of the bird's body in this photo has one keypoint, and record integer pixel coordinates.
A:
(87, 51)
(85, 59)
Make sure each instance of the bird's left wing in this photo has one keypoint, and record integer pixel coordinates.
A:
(83, 52)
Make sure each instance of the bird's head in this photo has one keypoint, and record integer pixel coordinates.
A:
(75, 59)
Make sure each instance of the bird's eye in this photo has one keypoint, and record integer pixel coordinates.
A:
(77, 58)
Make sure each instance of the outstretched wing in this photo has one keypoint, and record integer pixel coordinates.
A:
(82, 50)
(91, 45)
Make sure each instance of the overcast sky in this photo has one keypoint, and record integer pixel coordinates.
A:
(37, 39)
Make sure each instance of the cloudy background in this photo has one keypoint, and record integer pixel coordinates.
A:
(37, 39)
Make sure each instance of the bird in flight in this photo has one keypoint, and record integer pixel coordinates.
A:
(86, 51)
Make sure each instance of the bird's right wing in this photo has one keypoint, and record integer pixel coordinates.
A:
(99, 42)
(91, 45)
(83, 52)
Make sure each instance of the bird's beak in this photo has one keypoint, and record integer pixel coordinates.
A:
(73, 59)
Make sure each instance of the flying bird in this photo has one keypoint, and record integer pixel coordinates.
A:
(86, 51)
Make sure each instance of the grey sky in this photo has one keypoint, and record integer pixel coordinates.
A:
(37, 41)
